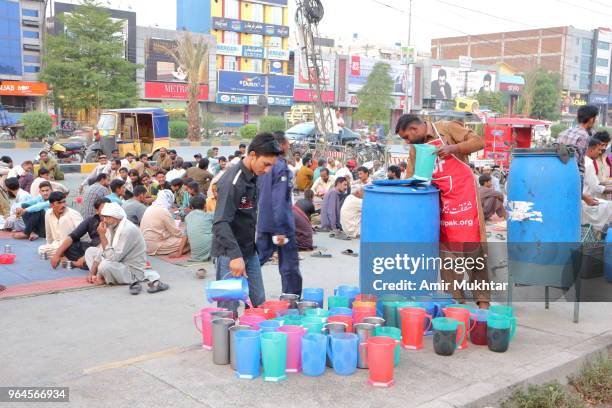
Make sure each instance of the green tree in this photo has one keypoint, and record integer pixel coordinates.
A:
(178, 129)
(85, 66)
(375, 100)
(248, 131)
(36, 125)
(271, 124)
(192, 57)
(491, 100)
(542, 95)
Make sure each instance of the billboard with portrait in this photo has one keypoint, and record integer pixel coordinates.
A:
(451, 82)
(361, 67)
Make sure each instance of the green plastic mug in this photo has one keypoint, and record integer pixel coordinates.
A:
(274, 355)
(502, 310)
(337, 301)
(425, 161)
(500, 330)
(313, 324)
(322, 313)
(395, 334)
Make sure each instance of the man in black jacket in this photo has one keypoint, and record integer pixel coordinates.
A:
(236, 218)
(275, 224)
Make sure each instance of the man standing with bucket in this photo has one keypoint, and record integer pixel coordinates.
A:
(462, 228)
(236, 218)
(275, 224)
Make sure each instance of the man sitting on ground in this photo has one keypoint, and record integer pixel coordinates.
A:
(33, 214)
(304, 177)
(211, 200)
(491, 199)
(117, 191)
(73, 248)
(394, 173)
(121, 257)
(363, 177)
(94, 192)
(330, 209)
(198, 226)
(201, 175)
(135, 206)
(24, 173)
(350, 213)
(161, 234)
(178, 172)
(102, 167)
(303, 229)
(17, 196)
(306, 204)
(60, 221)
(323, 184)
(50, 164)
(44, 175)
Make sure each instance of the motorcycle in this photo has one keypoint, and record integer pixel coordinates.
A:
(68, 151)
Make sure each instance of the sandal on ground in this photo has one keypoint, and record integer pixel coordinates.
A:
(500, 237)
(135, 288)
(201, 273)
(319, 254)
(320, 229)
(157, 286)
(342, 236)
(350, 252)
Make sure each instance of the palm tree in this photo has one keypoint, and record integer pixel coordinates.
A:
(192, 58)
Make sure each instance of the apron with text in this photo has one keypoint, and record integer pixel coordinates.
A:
(459, 220)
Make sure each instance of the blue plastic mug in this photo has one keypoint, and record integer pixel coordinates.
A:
(425, 161)
(270, 325)
(350, 292)
(248, 353)
(342, 351)
(231, 289)
(313, 295)
(314, 346)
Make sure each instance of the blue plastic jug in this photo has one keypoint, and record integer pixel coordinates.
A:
(314, 346)
(248, 353)
(342, 352)
(313, 295)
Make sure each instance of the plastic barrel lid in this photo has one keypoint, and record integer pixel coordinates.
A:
(386, 189)
(542, 151)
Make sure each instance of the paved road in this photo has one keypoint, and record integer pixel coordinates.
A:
(113, 349)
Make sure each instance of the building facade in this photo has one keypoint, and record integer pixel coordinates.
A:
(193, 16)
(581, 57)
(20, 55)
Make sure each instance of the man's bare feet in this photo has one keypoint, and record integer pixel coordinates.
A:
(33, 237)
(99, 280)
(79, 263)
(19, 235)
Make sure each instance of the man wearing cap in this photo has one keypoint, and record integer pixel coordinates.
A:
(121, 257)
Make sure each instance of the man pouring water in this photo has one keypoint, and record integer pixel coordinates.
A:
(462, 228)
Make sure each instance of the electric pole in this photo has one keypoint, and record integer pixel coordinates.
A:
(408, 101)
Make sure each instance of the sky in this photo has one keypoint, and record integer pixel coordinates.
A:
(385, 22)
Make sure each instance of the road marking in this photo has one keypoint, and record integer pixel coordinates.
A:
(138, 359)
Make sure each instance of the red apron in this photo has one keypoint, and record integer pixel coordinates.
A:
(459, 220)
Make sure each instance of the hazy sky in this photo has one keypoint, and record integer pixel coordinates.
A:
(383, 22)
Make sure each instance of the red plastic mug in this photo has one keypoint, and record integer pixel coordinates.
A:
(348, 320)
(274, 306)
(462, 315)
(359, 312)
(381, 352)
(414, 327)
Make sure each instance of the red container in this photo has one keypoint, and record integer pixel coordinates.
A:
(274, 306)
(478, 335)
(414, 327)
(381, 352)
(7, 259)
(359, 312)
(255, 311)
(463, 315)
(365, 298)
(348, 320)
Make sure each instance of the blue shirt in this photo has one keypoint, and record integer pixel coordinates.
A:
(36, 204)
(275, 204)
(114, 198)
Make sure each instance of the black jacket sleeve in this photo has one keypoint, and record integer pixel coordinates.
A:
(225, 211)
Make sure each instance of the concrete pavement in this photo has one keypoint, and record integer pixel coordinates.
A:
(113, 349)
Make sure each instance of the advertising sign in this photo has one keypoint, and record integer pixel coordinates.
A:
(361, 68)
(514, 89)
(251, 51)
(450, 82)
(20, 88)
(276, 67)
(249, 27)
(172, 90)
(304, 79)
(250, 83)
(408, 55)
(159, 66)
(306, 95)
(571, 101)
(229, 49)
(272, 2)
(277, 54)
(232, 99)
(598, 99)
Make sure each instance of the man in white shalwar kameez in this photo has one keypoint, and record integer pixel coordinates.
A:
(60, 221)
(595, 209)
(121, 257)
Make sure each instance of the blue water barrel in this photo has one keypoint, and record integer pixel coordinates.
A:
(543, 217)
(608, 257)
(400, 231)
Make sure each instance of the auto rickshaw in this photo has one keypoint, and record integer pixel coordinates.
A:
(137, 131)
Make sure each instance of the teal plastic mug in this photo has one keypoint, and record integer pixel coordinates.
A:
(425, 161)
(446, 337)
(502, 310)
(274, 356)
(500, 330)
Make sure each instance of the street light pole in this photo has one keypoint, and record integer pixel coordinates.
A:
(408, 101)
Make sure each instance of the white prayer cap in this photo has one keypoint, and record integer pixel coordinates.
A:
(113, 210)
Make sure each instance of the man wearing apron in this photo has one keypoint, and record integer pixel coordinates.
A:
(462, 228)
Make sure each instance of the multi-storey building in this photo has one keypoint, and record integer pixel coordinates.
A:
(20, 55)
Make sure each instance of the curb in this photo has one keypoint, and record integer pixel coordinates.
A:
(173, 143)
(557, 367)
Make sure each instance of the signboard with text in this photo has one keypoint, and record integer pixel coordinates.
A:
(361, 67)
(571, 101)
(450, 82)
(250, 83)
(172, 90)
(20, 88)
(233, 99)
(249, 27)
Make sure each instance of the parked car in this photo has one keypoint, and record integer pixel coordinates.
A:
(306, 132)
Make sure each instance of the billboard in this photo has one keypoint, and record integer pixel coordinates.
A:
(450, 82)
(361, 67)
(249, 27)
(571, 101)
(303, 79)
(20, 88)
(251, 83)
(164, 78)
